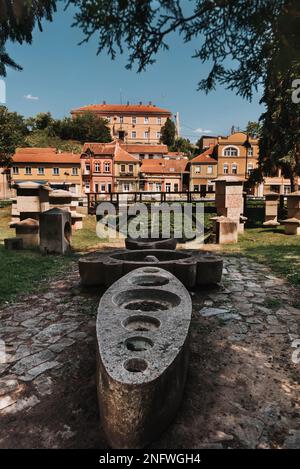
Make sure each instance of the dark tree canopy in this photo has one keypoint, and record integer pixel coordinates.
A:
(17, 21)
(249, 32)
(280, 126)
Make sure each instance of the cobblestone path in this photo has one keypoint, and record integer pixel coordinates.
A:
(242, 389)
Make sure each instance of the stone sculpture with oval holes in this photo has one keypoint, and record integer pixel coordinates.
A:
(190, 267)
(142, 333)
(150, 243)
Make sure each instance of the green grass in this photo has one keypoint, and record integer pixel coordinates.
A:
(29, 270)
(275, 249)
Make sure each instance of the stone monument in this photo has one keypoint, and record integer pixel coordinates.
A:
(55, 231)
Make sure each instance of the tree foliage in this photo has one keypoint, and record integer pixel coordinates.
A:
(168, 133)
(246, 31)
(17, 21)
(280, 134)
(12, 135)
(253, 129)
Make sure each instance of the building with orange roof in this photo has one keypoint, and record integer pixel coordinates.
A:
(146, 151)
(203, 170)
(130, 123)
(163, 175)
(47, 165)
(107, 167)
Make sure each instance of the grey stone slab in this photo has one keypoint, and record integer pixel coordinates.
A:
(54, 332)
(208, 312)
(38, 370)
(27, 363)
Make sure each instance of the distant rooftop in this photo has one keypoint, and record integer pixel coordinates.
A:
(123, 108)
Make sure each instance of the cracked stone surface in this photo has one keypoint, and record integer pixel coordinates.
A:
(242, 389)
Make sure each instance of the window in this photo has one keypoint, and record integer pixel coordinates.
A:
(234, 168)
(103, 187)
(121, 120)
(146, 120)
(231, 151)
(198, 169)
(168, 187)
(87, 187)
(108, 119)
(196, 188)
(130, 168)
(158, 187)
(159, 120)
(126, 187)
(133, 134)
(107, 167)
(96, 188)
(27, 170)
(249, 168)
(158, 135)
(75, 171)
(123, 168)
(225, 169)
(209, 169)
(250, 151)
(176, 187)
(41, 170)
(97, 168)
(55, 171)
(287, 190)
(15, 170)
(146, 134)
(133, 120)
(87, 168)
(210, 188)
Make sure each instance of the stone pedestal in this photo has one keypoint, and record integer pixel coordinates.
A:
(65, 200)
(230, 201)
(55, 231)
(271, 209)
(32, 199)
(28, 231)
(292, 223)
(293, 205)
(226, 230)
(292, 226)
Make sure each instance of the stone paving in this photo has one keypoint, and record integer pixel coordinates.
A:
(242, 390)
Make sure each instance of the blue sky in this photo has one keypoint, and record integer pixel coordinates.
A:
(58, 75)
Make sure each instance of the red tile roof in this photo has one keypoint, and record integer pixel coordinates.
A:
(163, 166)
(205, 157)
(122, 108)
(44, 155)
(112, 149)
(139, 148)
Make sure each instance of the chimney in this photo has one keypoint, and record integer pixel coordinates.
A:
(127, 103)
(141, 103)
(150, 103)
(104, 102)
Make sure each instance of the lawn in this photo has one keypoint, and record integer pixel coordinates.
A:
(22, 271)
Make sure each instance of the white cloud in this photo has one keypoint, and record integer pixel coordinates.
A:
(203, 131)
(29, 97)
